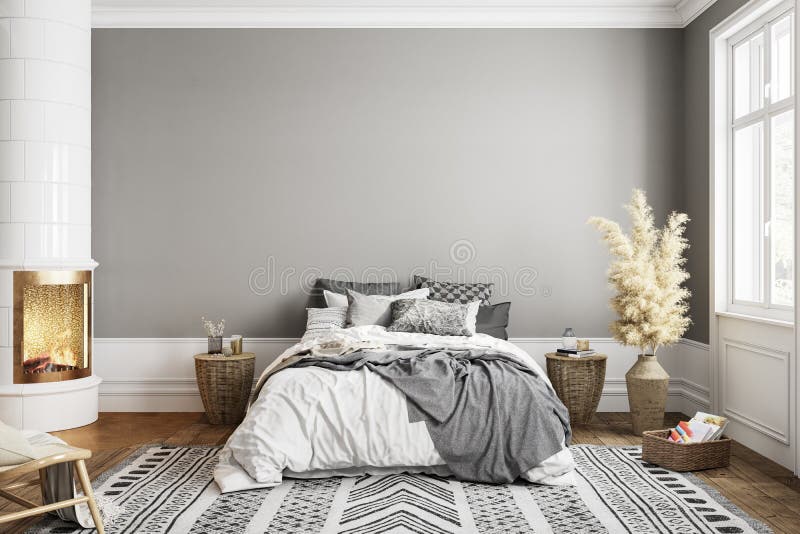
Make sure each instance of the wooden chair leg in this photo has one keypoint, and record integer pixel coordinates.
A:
(83, 476)
(43, 484)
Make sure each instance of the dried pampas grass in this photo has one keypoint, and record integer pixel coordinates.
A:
(648, 274)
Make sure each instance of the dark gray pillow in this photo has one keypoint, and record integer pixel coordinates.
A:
(493, 320)
(456, 291)
(340, 286)
(433, 317)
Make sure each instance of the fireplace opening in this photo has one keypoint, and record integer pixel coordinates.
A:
(52, 325)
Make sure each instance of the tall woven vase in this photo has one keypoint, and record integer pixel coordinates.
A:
(647, 385)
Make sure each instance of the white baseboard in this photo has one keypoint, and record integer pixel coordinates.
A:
(682, 396)
(157, 374)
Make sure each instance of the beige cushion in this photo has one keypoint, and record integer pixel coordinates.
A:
(14, 448)
(43, 451)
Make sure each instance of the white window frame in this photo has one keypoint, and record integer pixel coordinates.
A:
(751, 326)
(761, 18)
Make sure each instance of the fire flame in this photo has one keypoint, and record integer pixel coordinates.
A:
(60, 351)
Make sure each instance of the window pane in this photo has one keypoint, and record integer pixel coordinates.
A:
(781, 53)
(782, 209)
(748, 77)
(747, 236)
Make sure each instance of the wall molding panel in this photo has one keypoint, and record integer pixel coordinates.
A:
(396, 14)
(753, 386)
(731, 395)
(162, 378)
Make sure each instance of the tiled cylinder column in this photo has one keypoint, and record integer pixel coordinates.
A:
(45, 131)
(45, 146)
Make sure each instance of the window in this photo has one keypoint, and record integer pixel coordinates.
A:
(761, 163)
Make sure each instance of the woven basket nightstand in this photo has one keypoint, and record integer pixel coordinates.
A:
(225, 383)
(578, 383)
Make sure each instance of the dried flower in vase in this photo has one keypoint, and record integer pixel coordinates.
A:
(648, 274)
(213, 330)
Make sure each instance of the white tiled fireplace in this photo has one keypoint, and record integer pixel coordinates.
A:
(45, 214)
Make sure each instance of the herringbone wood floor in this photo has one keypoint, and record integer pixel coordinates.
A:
(759, 486)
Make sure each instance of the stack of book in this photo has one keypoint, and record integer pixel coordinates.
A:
(702, 427)
(575, 353)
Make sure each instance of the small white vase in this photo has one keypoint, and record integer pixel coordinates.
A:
(569, 340)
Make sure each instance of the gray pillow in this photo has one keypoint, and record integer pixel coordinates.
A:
(434, 317)
(493, 320)
(340, 286)
(456, 291)
(376, 309)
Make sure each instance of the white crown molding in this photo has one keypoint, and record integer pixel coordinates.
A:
(395, 13)
(689, 10)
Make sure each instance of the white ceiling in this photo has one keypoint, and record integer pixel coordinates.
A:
(396, 13)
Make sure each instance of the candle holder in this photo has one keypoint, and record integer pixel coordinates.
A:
(236, 344)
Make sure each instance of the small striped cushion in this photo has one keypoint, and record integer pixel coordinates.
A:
(325, 319)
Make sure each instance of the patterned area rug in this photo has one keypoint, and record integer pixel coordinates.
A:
(168, 489)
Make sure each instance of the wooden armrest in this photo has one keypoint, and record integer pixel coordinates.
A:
(58, 455)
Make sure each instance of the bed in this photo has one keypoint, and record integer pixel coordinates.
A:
(354, 401)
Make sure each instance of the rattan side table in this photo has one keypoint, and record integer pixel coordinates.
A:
(578, 383)
(225, 383)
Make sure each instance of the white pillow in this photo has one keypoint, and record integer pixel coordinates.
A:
(377, 309)
(334, 300)
(472, 316)
(337, 299)
(14, 448)
(325, 319)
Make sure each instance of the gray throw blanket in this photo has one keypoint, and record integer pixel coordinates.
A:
(60, 484)
(490, 417)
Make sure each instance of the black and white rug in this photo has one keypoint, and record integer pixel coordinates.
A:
(168, 489)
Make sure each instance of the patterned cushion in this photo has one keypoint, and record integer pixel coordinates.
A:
(433, 317)
(325, 319)
(456, 292)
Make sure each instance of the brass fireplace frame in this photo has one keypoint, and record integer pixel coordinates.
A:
(28, 278)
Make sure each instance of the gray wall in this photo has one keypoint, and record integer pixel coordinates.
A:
(696, 150)
(215, 149)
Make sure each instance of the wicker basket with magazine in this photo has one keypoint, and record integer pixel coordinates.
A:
(657, 449)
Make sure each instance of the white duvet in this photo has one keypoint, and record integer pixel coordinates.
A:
(311, 422)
